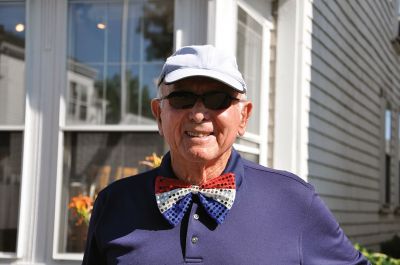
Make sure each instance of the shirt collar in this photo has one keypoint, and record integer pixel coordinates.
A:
(234, 165)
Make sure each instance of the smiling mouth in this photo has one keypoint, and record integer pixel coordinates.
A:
(198, 134)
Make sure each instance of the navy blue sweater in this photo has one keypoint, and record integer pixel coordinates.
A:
(276, 219)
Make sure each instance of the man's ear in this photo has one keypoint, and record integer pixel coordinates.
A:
(156, 110)
(244, 117)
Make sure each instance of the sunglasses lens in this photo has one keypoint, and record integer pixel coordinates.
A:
(181, 100)
(217, 101)
(213, 100)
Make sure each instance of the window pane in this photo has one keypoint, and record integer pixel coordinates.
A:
(116, 50)
(111, 46)
(10, 183)
(158, 29)
(249, 55)
(388, 130)
(12, 112)
(91, 162)
(12, 64)
(388, 158)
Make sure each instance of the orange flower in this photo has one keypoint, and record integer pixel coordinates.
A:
(152, 161)
(82, 208)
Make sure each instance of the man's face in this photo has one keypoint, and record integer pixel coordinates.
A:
(199, 134)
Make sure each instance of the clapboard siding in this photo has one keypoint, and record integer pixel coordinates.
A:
(365, 229)
(353, 112)
(344, 189)
(340, 121)
(327, 157)
(330, 130)
(350, 47)
(358, 47)
(352, 62)
(350, 205)
(370, 33)
(359, 218)
(342, 149)
(330, 173)
(382, 31)
(366, 94)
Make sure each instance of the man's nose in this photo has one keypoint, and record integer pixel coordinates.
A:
(199, 112)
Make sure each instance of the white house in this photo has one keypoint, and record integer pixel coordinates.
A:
(76, 78)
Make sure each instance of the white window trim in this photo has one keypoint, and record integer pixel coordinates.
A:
(44, 54)
(384, 207)
(292, 88)
(221, 30)
(7, 128)
(396, 158)
(8, 255)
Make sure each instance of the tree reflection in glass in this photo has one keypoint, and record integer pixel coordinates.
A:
(131, 44)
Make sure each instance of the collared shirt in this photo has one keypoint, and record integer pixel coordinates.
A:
(276, 219)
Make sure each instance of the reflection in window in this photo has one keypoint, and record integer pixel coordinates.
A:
(388, 138)
(12, 109)
(12, 63)
(78, 103)
(91, 162)
(10, 183)
(117, 49)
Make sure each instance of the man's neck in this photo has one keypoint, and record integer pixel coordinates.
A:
(199, 172)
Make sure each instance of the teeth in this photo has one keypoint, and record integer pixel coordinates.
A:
(196, 134)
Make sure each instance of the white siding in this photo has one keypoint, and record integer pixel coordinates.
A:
(352, 63)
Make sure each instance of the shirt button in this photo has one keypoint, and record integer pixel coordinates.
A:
(196, 216)
(195, 239)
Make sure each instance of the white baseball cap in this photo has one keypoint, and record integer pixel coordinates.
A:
(202, 60)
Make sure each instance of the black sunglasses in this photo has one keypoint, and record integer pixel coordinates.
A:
(212, 100)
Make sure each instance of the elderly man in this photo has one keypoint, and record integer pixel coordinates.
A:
(205, 204)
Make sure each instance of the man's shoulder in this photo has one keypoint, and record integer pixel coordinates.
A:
(268, 175)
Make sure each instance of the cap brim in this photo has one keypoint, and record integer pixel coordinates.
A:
(190, 72)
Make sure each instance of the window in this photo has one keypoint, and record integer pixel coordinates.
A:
(12, 110)
(77, 103)
(116, 50)
(252, 37)
(388, 157)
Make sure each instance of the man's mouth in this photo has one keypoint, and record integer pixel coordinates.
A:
(198, 134)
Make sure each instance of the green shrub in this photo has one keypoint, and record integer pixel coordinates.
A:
(377, 258)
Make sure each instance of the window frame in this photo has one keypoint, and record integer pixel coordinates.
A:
(63, 128)
(397, 164)
(386, 198)
(22, 129)
(260, 139)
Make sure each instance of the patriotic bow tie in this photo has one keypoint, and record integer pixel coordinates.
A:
(175, 196)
